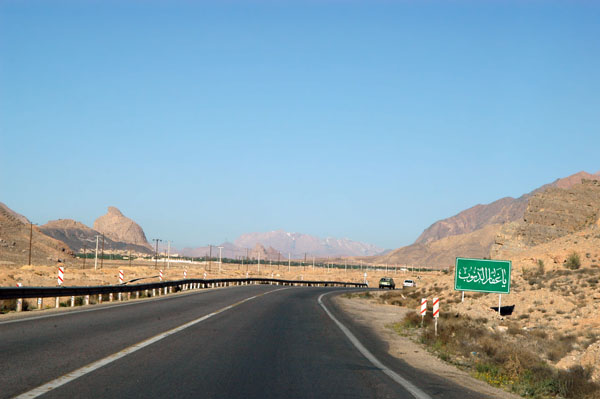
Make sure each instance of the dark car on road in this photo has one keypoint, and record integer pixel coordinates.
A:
(387, 282)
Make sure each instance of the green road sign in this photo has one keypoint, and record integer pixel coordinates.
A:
(482, 275)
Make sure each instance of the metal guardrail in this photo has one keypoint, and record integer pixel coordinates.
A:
(177, 285)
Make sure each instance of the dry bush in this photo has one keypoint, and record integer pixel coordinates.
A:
(575, 383)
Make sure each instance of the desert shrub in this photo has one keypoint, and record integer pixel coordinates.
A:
(575, 383)
(540, 267)
(8, 305)
(365, 295)
(559, 347)
(573, 261)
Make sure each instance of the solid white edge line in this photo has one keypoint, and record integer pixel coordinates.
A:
(409, 386)
(73, 375)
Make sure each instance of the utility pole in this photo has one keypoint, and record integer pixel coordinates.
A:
(278, 260)
(289, 261)
(102, 256)
(156, 252)
(96, 259)
(313, 263)
(220, 259)
(129, 258)
(84, 256)
(168, 254)
(209, 257)
(30, 240)
(259, 263)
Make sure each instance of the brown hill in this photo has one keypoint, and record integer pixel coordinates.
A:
(502, 211)
(443, 252)
(117, 227)
(14, 242)
(79, 237)
(551, 214)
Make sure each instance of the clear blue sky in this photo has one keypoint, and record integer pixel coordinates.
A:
(367, 120)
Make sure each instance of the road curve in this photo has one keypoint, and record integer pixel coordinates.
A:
(279, 344)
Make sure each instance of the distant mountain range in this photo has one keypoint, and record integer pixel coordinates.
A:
(281, 244)
(470, 233)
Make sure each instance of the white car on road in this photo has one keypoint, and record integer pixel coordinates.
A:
(409, 283)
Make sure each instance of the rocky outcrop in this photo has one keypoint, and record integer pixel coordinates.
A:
(80, 238)
(551, 214)
(118, 227)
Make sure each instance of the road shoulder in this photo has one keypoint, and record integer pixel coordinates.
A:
(377, 318)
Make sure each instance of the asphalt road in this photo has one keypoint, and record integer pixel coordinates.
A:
(279, 344)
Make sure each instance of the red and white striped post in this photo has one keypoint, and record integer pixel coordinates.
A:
(121, 278)
(160, 275)
(423, 311)
(436, 312)
(20, 300)
(60, 280)
(184, 274)
(61, 275)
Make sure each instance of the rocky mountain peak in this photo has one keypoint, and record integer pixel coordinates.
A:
(114, 211)
(118, 227)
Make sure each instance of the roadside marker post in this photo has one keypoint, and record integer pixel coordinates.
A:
(121, 278)
(423, 309)
(60, 280)
(160, 275)
(436, 312)
(20, 300)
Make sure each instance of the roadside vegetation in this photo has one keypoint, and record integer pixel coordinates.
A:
(503, 354)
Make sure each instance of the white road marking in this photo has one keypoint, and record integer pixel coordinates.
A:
(409, 386)
(34, 393)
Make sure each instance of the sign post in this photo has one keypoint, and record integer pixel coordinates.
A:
(483, 275)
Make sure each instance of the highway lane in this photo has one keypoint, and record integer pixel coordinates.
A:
(280, 345)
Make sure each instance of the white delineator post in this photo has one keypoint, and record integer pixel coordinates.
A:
(60, 280)
(423, 311)
(436, 312)
(365, 277)
(160, 275)
(184, 274)
(20, 300)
